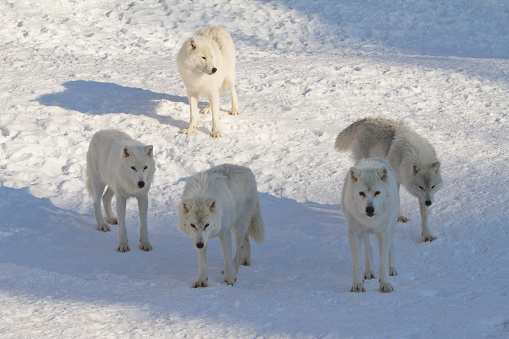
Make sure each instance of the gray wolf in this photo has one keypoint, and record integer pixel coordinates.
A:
(127, 168)
(206, 63)
(214, 202)
(411, 156)
(370, 203)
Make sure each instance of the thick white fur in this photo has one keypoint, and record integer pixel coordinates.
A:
(127, 167)
(370, 203)
(206, 63)
(214, 202)
(411, 156)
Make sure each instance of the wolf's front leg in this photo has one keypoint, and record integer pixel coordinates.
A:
(123, 246)
(384, 243)
(143, 209)
(203, 272)
(214, 105)
(425, 232)
(193, 111)
(230, 274)
(355, 240)
(369, 268)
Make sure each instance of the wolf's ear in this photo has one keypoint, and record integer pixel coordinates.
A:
(417, 168)
(354, 174)
(149, 150)
(127, 152)
(186, 207)
(382, 173)
(192, 43)
(436, 166)
(211, 204)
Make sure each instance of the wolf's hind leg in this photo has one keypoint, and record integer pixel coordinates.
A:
(110, 216)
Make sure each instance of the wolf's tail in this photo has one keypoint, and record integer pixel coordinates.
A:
(256, 229)
(89, 186)
(345, 138)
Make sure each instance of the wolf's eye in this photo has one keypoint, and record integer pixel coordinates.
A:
(193, 226)
(133, 168)
(433, 187)
(422, 188)
(377, 193)
(206, 225)
(145, 167)
(362, 194)
(204, 58)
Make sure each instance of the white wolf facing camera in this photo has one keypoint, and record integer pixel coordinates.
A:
(370, 203)
(206, 63)
(223, 198)
(127, 167)
(411, 156)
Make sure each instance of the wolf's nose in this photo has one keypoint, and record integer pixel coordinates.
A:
(141, 184)
(370, 210)
(199, 245)
(214, 70)
(428, 202)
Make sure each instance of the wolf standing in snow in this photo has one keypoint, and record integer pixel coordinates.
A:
(411, 156)
(206, 63)
(223, 198)
(127, 167)
(370, 203)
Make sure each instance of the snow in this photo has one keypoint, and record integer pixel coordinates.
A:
(305, 71)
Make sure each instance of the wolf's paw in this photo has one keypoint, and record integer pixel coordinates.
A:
(104, 228)
(123, 247)
(230, 281)
(112, 221)
(145, 246)
(386, 288)
(392, 271)
(427, 237)
(369, 275)
(216, 134)
(403, 219)
(188, 130)
(246, 262)
(358, 287)
(206, 110)
(201, 283)
(234, 112)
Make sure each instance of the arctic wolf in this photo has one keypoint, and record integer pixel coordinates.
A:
(223, 198)
(370, 203)
(206, 63)
(127, 167)
(411, 156)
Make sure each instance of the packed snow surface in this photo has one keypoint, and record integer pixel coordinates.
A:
(305, 70)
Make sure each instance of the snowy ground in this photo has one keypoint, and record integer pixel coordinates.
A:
(305, 71)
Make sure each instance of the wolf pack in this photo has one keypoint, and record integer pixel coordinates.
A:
(224, 198)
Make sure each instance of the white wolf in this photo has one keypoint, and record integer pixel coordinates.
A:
(206, 63)
(127, 167)
(370, 203)
(223, 198)
(411, 156)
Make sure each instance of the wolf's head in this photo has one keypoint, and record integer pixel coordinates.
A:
(426, 181)
(199, 219)
(201, 55)
(138, 167)
(369, 189)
